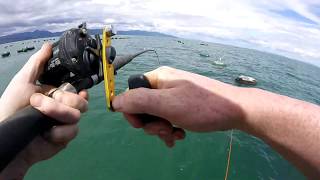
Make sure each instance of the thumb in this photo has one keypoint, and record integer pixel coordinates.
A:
(140, 101)
(35, 65)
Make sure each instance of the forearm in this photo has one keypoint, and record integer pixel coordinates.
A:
(290, 126)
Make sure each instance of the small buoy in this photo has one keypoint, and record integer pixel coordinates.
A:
(247, 80)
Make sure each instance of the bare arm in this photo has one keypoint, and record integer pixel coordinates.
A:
(200, 104)
(290, 126)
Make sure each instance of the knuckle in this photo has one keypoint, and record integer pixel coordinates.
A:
(57, 135)
(84, 106)
(76, 131)
(36, 99)
(71, 100)
(73, 133)
(164, 69)
(77, 115)
(133, 99)
(47, 105)
(58, 95)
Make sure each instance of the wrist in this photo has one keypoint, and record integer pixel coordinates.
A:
(252, 101)
(263, 110)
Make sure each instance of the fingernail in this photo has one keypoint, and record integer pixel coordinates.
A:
(36, 100)
(116, 103)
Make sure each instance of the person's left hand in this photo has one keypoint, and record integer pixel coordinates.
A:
(64, 106)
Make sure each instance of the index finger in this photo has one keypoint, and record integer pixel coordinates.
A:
(158, 77)
(166, 77)
(54, 109)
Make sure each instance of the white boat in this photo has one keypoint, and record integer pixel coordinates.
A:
(219, 62)
(247, 80)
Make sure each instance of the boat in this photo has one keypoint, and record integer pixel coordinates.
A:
(26, 49)
(22, 50)
(180, 42)
(204, 44)
(119, 38)
(30, 48)
(204, 55)
(5, 54)
(247, 80)
(219, 63)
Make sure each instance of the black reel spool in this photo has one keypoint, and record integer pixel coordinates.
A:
(76, 60)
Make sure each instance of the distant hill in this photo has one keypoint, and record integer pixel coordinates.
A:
(44, 34)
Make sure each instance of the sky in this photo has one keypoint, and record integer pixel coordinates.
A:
(286, 27)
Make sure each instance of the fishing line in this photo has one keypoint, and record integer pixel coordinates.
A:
(229, 155)
(157, 57)
(156, 53)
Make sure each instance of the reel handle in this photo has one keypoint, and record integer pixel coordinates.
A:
(138, 81)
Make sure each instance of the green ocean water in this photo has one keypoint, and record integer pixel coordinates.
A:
(108, 148)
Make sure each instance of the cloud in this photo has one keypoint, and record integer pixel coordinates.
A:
(287, 27)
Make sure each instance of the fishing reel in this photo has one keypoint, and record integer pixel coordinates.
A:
(80, 60)
(77, 59)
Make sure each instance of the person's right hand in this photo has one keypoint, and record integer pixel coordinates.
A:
(186, 100)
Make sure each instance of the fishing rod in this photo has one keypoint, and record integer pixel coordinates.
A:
(78, 62)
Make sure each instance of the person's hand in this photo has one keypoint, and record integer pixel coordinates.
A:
(182, 99)
(64, 106)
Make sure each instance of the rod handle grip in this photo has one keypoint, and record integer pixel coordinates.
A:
(141, 81)
(18, 130)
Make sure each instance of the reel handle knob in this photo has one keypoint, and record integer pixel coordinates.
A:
(141, 81)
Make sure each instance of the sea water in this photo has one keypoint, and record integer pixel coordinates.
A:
(108, 148)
